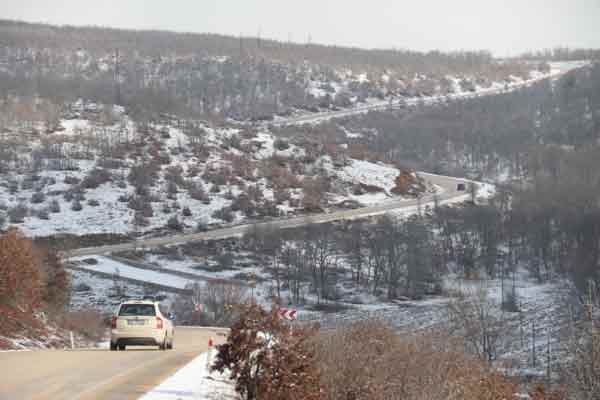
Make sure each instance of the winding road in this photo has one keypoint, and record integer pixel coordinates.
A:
(447, 184)
(557, 69)
(448, 193)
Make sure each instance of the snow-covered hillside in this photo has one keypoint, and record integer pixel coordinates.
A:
(100, 172)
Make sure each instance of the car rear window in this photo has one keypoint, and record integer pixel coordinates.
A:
(137, 310)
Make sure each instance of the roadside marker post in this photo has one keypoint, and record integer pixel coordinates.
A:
(209, 354)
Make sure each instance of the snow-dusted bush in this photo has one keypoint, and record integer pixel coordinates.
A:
(174, 224)
(43, 214)
(72, 180)
(172, 188)
(224, 214)
(76, 205)
(54, 206)
(197, 192)
(27, 184)
(17, 214)
(68, 196)
(95, 178)
(260, 346)
(13, 187)
(140, 220)
(281, 144)
(174, 175)
(38, 198)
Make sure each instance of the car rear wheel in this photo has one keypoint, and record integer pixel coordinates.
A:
(122, 347)
(113, 346)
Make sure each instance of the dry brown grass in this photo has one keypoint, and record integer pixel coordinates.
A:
(370, 361)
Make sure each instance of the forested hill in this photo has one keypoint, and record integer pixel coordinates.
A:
(232, 77)
(98, 40)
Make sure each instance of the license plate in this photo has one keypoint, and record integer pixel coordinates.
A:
(135, 322)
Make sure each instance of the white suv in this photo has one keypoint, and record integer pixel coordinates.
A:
(141, 323)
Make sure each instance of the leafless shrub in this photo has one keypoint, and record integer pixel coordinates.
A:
(215, 298)
(224, 214)
(477, 320)
(88, 323)
(111, 163)
(139, 220)
(95, 178)
(175, 175)
(197, 192)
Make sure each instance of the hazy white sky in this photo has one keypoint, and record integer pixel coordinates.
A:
(502, 26)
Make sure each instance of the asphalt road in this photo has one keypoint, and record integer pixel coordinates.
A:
(97, 374)
(447, 184)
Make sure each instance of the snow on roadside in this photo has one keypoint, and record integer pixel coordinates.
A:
(195, 381)
(368, 173)
(109, 266)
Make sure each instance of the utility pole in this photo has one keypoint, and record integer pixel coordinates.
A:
(534, 360)
(117, 80)
(258, 38)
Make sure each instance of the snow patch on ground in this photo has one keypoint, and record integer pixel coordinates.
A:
(368, 173)
(195, 381)
(108, 266)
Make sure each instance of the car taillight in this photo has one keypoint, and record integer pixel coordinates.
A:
(113, 323)
(159, 323)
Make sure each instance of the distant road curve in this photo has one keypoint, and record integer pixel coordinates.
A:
(448, 194)
(558, 69)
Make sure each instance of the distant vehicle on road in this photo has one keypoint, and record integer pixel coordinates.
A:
(461, 187)
(141, 323)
